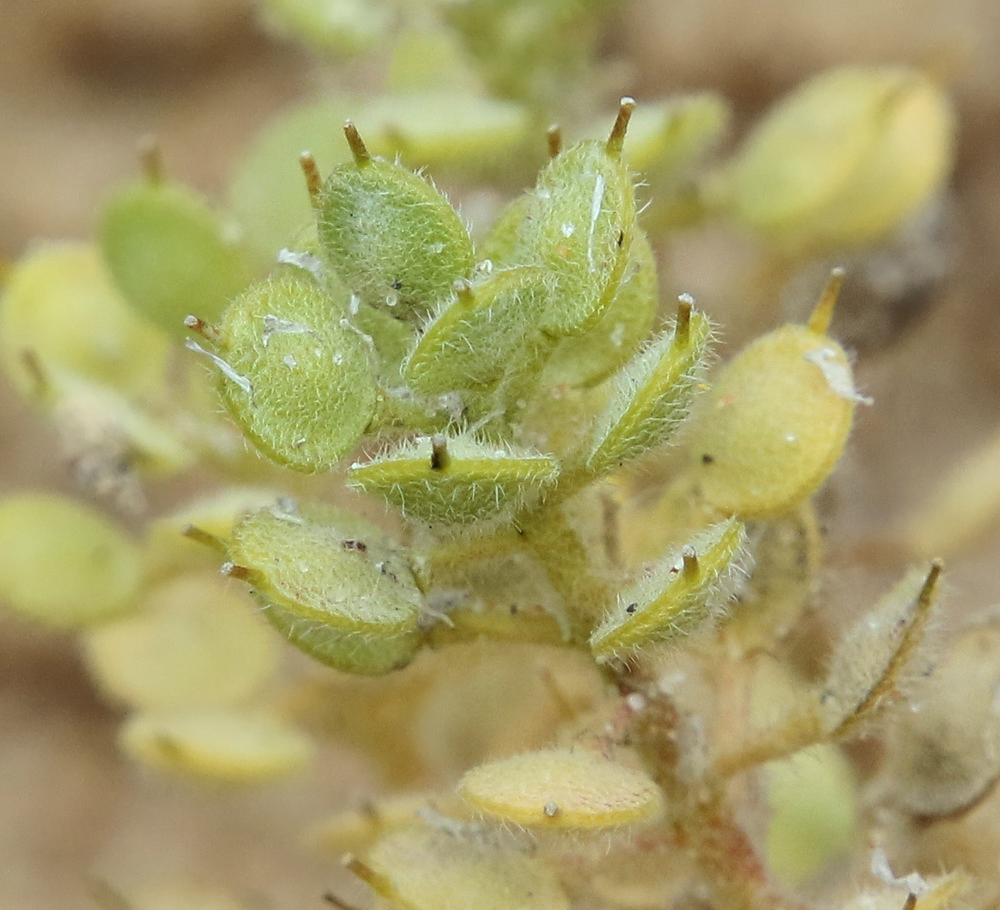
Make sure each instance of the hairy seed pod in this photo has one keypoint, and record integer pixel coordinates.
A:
(456, 480)
(677, 596)
(562, 789)
(421, 867)
(390, 236)
(63, 563)
(579, 225)
(168, 253)
(776, 420)
(652, 395)
(590, 358)
(332, 584)
(62, 316)
(296, 376)
(218, 744)
(474, 339)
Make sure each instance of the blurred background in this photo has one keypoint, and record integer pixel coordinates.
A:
(82, 81)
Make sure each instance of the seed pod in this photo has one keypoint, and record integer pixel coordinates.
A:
(502, 246)
(168, 253)
(653, 394)
(844, 159)
(64, 564)
(588, 359)
(297, 378)
(219, 744)
(474, 339)
(61, 309)
(943, 754)
(677, 596)
(579, 226)
(393, 239)
(426, 868)
(456, 480)
(332, 584)
(562, 789)
(776, 420)
(195, 643)
(870, 661)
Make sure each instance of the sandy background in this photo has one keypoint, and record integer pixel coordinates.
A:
(81, 81)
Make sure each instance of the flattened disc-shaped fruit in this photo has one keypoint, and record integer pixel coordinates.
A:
(472, 341)
(297, 378)
(456, 480)
(393, 239)
(676, 597)
(216, 744)
(652, 394)
(196, 643)
(774, 424)
(64, 564)
(579, 226)
(168, 255)
(61, 307)
(560, 788)
(333, 585)
(424, 868)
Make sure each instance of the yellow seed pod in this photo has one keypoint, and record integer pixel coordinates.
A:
(216, 744)
(431, 868)
(562, 789)
(63, 563)
(456, 480)
(61, 309)
(332, 584)
(844, 159)
(196, 642)
(682, 592)
(776, 420)
(353, 830)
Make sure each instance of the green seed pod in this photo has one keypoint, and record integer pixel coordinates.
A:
(61, 310)
(475, 338)
(64, 564)
(844, 159)
(456, 480)
(391, 237)
(297, 377)
(653, 394)
(445, 128)
(579, 225)
(343, 28)
(218, 744)
(562, 789)
(426, 868)
(677, 596)
(501, 246)
(195, 643)
(332, 584)
(168, 253)
(776, 420)
(588, 359)
(265, 193)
